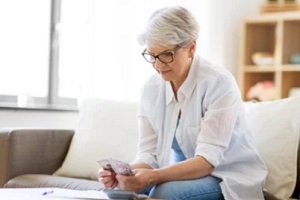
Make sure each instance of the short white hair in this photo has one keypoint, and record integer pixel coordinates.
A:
(170, 26)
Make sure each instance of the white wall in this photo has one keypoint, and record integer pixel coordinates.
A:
(38, 119)
(219, 38)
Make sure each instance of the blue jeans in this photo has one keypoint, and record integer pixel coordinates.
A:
(206, 188)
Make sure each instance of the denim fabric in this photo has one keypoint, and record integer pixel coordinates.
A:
(206, 188)
(177, 153)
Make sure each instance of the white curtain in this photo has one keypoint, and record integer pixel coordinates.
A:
(98, 42)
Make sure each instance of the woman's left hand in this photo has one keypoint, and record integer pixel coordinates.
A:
(136, 183)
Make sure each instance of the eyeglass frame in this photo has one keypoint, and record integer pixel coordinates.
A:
(164, 52)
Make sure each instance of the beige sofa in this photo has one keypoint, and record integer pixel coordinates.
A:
(45, 158)
(29, 157)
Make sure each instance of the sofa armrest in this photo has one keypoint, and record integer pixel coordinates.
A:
(32, 151)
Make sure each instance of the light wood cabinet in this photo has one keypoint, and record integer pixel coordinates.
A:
(278, 34)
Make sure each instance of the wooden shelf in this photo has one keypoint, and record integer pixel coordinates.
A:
(279, 7)
(279, 35)
(291, 68)
(255, 68)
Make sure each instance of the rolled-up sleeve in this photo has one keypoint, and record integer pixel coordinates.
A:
(217, 125)
(147, 149)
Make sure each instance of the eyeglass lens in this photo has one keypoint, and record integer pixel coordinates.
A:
(166, 57)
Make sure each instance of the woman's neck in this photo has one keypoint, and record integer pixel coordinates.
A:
(177, 84)
(175, 88)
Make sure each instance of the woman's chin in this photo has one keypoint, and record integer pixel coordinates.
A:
(166, 75)
(165, 78)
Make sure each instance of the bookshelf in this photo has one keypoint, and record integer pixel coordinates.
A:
(279, 35)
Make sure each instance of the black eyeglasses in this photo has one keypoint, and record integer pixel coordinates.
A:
(164, 57)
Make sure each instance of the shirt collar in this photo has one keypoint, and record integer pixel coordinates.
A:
(169, 93)
(188, 85)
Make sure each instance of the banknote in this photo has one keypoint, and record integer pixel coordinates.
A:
(117, 166)
(105, 164)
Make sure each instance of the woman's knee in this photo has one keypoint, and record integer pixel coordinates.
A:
(206, 188)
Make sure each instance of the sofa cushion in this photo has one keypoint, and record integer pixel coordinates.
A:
(105, 129)
(25, 144)
(39, 180)
(276, 126)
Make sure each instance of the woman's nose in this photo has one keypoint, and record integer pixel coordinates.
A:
(157, 65)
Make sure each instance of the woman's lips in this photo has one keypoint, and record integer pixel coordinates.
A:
(164, 72)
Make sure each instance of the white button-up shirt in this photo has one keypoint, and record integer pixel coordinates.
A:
(212, 125)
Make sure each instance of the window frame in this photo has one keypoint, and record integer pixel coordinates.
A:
(52, 101)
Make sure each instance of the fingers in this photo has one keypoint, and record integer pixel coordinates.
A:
(115, 184)
(135, 171)
(107, 178)
(109, 182)
(126, 182)
(102, 172)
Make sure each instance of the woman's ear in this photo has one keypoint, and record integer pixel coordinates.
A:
(192, 49)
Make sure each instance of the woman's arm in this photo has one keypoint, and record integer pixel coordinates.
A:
(192, 168)
(140, 166)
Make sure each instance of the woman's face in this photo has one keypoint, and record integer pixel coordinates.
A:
(177, 70)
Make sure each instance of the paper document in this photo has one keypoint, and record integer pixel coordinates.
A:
(49, 193)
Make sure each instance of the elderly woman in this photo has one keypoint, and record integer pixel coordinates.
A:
(193, 139)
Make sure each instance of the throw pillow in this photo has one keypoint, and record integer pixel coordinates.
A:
(276, 125)
(105, 129)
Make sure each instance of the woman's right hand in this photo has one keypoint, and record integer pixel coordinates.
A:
(108, 178)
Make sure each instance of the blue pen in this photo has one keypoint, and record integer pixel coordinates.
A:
(49, 192)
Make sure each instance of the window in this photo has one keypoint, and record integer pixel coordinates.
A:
(26, 74)
(24, 63)
(59, 51)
